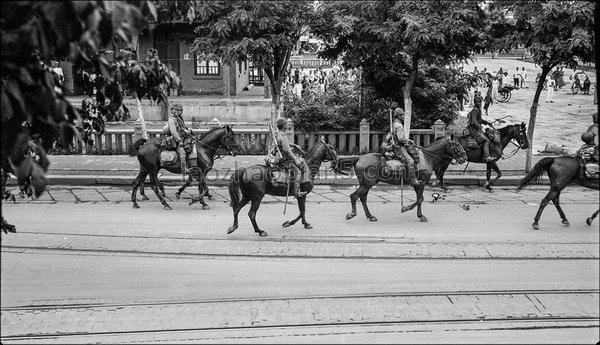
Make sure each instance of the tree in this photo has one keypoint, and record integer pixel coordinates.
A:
(264, 32)
(556, 33)
(394, 39)
(33, 107)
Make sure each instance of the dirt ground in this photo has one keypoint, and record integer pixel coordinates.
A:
(560, 123)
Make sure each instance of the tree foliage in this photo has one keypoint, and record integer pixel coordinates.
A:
(555, 33)
(264, 32)
(32, 33)
(392, 40)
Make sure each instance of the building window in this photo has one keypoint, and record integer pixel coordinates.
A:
(206, 67)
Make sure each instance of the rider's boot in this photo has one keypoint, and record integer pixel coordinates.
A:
(412, 176)
(486, 151)
(297, 192)
(193, 166)
(183, 169)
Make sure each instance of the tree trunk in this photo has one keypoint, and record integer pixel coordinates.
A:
(141, 119)
(533, 115)
(226, 80)
(406, 91)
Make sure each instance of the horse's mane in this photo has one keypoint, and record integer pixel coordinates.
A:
(210, 131)
(436, 144)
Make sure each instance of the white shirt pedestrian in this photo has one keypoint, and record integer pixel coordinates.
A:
(550, 90)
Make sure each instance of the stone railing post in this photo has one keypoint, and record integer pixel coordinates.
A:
(363, 139)
(137, 130)
(289, 128)
(439, 129)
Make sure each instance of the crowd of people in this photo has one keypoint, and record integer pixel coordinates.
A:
(305, 83)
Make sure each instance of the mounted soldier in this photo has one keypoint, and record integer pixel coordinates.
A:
(589, 150)
(184, 140)
(475, 129)
(396, 143)
(287, 160)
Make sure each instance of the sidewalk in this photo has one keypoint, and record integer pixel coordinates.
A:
(122, 169)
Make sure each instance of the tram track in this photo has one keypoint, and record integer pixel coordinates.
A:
(510, 309)
(313, 247)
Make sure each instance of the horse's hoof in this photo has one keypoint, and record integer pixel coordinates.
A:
(535, 226)
(262, 233)
(423, 219)
(231, 229)
(136, 206)
(589, 221)
(167, 207)
(308, 226)
(178, 195)
(210, 197)
(372, 218)
(144, 197)
(205, 207)
(350, 216)
(404, 209)
(286, 224)
(490, 189)
(566, 222)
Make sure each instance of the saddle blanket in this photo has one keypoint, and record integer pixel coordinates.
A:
(279, 178)
(169, 158)
(592, 170)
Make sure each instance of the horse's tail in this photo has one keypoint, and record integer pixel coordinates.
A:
(535, 175)
(136, 146)
(344, 165)
(234, 187)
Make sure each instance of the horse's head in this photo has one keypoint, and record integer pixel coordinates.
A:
(455, 150)
(521, 136)
(324, 151)
(228, 141)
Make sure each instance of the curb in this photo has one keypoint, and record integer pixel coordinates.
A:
(171, 180)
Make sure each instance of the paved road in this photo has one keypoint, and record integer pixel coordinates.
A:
(87, 267)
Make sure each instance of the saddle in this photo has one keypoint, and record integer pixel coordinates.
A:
(280, 174)
(394, 166)
(168, 153)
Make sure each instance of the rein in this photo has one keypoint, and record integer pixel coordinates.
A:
(441, 156)
(218, 155)
(514, 152)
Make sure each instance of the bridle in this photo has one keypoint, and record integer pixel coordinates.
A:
(227, 136)
(521, 136)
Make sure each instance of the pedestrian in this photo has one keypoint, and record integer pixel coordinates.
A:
(524, 78)
(488, 98)
(561, 81)
(551, 85)
(59, 76)
(495, 86)
(516, 78)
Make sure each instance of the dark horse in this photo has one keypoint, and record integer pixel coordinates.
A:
(253, 183)
(561, 171)
(371, 168)
(516, 134)
(148, 154)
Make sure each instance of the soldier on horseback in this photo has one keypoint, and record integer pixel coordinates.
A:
(297, 165)
(476, 131)
(184, 140)
(589, 150)
(397, 143)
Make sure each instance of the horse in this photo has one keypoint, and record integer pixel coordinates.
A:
(252, 183)
(371, 168)
(28, 161)
(561, 171)
(515, 134)
(148, 154)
